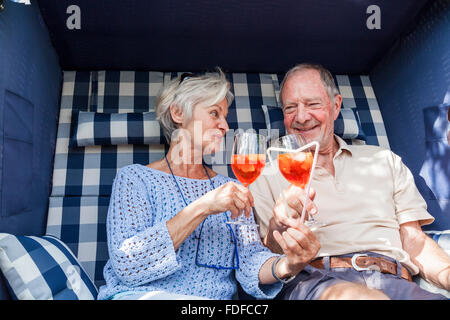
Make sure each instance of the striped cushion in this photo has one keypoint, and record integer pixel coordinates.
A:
(43, 268)
(106, 129)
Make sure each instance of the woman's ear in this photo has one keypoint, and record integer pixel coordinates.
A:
(177, 114)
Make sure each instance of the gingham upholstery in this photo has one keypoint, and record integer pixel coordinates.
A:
(102, 129)
(82, 177)
(43, 268)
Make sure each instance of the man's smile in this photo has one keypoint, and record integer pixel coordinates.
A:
(305, 130)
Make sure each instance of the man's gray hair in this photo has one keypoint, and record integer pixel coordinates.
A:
(325, 76)
(207, 89)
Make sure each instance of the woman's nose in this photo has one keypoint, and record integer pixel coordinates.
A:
(223, 126)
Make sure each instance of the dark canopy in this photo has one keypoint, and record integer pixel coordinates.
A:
(239, 35)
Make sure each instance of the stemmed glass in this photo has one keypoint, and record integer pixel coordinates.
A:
(248, 159)
(296, 163)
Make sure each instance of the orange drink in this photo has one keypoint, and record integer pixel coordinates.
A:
(296, 167)
(247, 167)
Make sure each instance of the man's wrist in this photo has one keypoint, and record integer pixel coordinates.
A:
(287, 271)
(281, 270)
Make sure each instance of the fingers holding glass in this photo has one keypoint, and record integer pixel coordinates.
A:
(296, 161)
(247, 162)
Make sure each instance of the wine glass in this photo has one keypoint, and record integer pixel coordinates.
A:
(296, 163)
(248, 159)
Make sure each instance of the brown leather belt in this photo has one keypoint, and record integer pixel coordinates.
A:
(362, 262)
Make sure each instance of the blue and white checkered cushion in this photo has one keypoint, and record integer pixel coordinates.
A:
(105, 129)
(43, 268)
(347, 125)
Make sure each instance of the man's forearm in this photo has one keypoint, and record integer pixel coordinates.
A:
(434, 264)
(432, 261)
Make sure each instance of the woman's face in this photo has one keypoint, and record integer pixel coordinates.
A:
(208, 126)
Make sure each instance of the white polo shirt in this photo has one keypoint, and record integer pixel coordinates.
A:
(363, 205)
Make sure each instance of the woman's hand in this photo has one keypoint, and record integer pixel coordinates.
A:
(230, 196)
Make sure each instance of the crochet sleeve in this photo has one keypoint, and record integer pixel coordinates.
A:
(139, 249)
(253, 254)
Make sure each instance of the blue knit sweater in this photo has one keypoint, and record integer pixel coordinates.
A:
(141, 252)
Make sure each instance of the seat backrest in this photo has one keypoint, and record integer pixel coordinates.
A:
(435, 170)
(83, 176)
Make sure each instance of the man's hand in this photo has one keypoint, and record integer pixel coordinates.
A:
(300, 245)
(291, 216)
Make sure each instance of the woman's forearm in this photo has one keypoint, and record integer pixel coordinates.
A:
(184, 223)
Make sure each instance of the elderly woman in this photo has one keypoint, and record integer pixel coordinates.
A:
(167, 231)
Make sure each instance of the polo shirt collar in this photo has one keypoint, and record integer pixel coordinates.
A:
(342, 146)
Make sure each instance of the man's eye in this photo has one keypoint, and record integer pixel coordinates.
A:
(289, 109)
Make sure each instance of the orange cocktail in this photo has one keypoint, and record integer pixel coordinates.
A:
(247, 167)
(296, 167)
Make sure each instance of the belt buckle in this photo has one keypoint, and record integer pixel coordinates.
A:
(358, 268)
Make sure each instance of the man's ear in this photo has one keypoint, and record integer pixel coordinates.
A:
(337, 105)
(177, 114)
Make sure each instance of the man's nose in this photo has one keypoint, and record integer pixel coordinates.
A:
(302, 114)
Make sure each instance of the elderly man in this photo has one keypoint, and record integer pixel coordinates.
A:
(371, 241)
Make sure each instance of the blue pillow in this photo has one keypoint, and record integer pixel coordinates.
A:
(94, 128)
(347, 125)
(43, 268)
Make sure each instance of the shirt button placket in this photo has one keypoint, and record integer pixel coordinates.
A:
(337, 174)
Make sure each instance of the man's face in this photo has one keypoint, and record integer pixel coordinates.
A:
(307, 108)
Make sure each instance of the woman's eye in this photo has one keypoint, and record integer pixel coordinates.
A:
(215, 114)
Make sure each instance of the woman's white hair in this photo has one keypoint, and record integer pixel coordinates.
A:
(186, 93)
